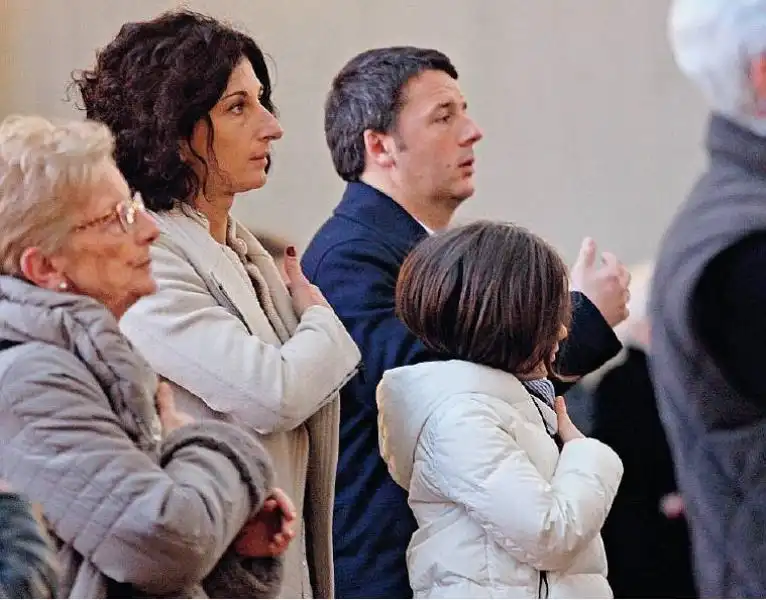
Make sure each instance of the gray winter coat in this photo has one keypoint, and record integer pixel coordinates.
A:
(131, 514)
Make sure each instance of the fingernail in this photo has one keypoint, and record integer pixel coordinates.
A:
(290, 251)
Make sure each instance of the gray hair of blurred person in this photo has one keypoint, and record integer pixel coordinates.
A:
(44, 168)
(715, 44)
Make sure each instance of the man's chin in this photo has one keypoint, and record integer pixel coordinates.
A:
(465, 192)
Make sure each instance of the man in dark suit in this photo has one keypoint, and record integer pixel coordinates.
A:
(399, 134)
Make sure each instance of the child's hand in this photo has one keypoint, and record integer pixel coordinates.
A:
(566, 429)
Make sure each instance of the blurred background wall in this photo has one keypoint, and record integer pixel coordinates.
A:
(589, 128)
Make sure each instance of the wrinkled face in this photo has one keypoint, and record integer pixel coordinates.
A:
(105, 257)
(434, 140)
(243, 131)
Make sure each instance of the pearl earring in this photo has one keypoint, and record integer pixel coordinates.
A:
(63, 286)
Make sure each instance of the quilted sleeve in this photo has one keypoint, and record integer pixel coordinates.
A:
(541, 523)
(159, 528)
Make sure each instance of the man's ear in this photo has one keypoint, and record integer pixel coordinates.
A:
(379, 148)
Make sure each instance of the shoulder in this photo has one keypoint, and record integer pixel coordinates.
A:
(182, 231)
(341, 237)
(351, 254)
(462, 410)
(183, 251)
(32, 370)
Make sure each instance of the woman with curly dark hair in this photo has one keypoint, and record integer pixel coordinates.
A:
(189, 101)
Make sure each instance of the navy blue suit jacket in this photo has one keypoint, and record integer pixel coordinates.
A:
(355, 259)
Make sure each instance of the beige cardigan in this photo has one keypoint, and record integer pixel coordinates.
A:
(210, 335)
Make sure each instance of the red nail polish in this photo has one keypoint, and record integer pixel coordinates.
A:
(290, 251)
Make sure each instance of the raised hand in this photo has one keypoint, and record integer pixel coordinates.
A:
(604, 282)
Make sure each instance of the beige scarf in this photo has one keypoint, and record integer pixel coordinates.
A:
(257, 263)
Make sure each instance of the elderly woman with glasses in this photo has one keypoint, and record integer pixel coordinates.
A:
(138, 498)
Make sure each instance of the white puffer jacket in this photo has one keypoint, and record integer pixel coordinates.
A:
(500, 512)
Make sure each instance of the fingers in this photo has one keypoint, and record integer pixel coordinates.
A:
(587, 256)
(293, 268)
(279, 543)
(625, 276)
(560, 406)
(610, 261)
(284, 503)
(672, 506)
(164, 399)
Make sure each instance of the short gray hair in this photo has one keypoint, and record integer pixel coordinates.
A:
(44, 169)
(714, 42)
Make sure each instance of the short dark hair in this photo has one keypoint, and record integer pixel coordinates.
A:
(153, 83)
(367, 94)
(489, 293)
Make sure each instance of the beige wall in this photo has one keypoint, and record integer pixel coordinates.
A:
(588, 127)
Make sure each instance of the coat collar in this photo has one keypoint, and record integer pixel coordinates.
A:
(85, 328)
(739, 145)
(222, 270)
(375, 210)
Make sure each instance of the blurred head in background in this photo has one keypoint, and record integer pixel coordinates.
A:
(721, 46)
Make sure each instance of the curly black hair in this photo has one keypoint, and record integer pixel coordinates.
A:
(153, 83)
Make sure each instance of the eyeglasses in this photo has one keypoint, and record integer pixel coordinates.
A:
(125, 212)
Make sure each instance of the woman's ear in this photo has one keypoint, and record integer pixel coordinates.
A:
(41, 270)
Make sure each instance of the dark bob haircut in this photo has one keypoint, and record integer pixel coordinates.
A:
(488, 293)
(153, 83)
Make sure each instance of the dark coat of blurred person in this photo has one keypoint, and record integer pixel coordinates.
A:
(649, 551)
(139, 499)
(708, 329)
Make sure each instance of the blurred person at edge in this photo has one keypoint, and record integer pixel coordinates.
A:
(708, 324)
(645, 535)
